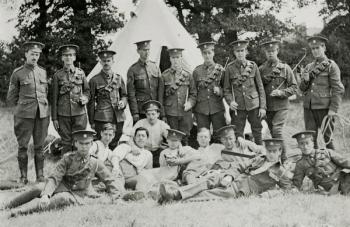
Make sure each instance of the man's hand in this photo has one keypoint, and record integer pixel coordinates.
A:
(187, 106)
(276, 93)
(172, 161)
(135, 118)
(216, 90)
(121, 105)
(92, 126)
(262, 113)
(331, 113)
(164, 119)
(83, 100)
(56, 125)
(233, 105)
(304, 75)
(226, 181)
(241, 142)
(44, 201)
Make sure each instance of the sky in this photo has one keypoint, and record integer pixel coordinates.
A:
(307, 15)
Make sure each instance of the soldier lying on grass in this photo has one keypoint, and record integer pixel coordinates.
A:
(70, 182)
(232, 179)
(328, 170)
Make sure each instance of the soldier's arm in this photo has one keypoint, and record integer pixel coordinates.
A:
(131, 93)
(106, 177)
(221, 84)
(54, 97)
(304, 85)
(91, 103)
(227, 87)
(149, 164)
(161, 93)
(192, 92)
(122, 92)
(299, 174)
(86, 88)
(291, 83)
(12, 94)
(337, 88)
(56, 177)
(339, 160)
(260, 88)
(188, 154)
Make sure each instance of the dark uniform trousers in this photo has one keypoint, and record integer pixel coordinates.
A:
(239, 121)
(181, 123)
(24, 129)
(69, 124)
(217, 119)
(313, 122)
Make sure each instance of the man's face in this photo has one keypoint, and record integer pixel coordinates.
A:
(69, 58)
(208, 55)
(32, 57)
(152, 116)
(273, 154)
(83, 146)
(141, 138)
(228, 140)
(241, 53)
(107, 63)
(271, 53)
(318, 50)
(173, 143)
(306, 145)
(176, 61)
(144, 53)
(203, 138)
(107, 136)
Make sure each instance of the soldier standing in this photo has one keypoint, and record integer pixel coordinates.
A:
(179, 94)
(322, 89)
(29, 92)
(279, 84)
(209, 80)
(70, 95)
(144, 82)
(244, 92)
(108, 98)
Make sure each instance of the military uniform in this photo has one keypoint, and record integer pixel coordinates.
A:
(252, 177)
(243, 85)
(179, 88)
(70, 182)
(209, 108)
(69, 86)
(323, 92)
(29, 90)
(144, 83)
(277, 76)
(106, 92)
(324, 167)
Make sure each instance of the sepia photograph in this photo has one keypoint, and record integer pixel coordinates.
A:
(175, 113)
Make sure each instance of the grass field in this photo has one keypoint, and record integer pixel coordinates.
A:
(290, 210)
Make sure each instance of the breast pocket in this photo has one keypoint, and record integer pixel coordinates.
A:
(26, 85)
(141, 80)
(323, 79)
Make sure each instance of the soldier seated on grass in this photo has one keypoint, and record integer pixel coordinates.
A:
(133, 157)
(328, 170)
(70, 182)
(158, 129)
(232, 178)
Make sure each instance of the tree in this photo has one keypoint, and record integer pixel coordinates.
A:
(227, 19)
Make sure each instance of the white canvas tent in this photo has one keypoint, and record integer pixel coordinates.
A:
(152, 20)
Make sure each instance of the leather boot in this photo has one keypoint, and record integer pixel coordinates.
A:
(39, 167)
(23, 168)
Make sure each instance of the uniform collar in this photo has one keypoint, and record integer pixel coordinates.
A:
(106, 75)
(208, 65)
(30, 66)
(273, 63)
(69, 69)
(142, 63)
(321, 59)
(82, 158)
(240, 63)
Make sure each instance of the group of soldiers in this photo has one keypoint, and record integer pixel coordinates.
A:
(163, 106)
